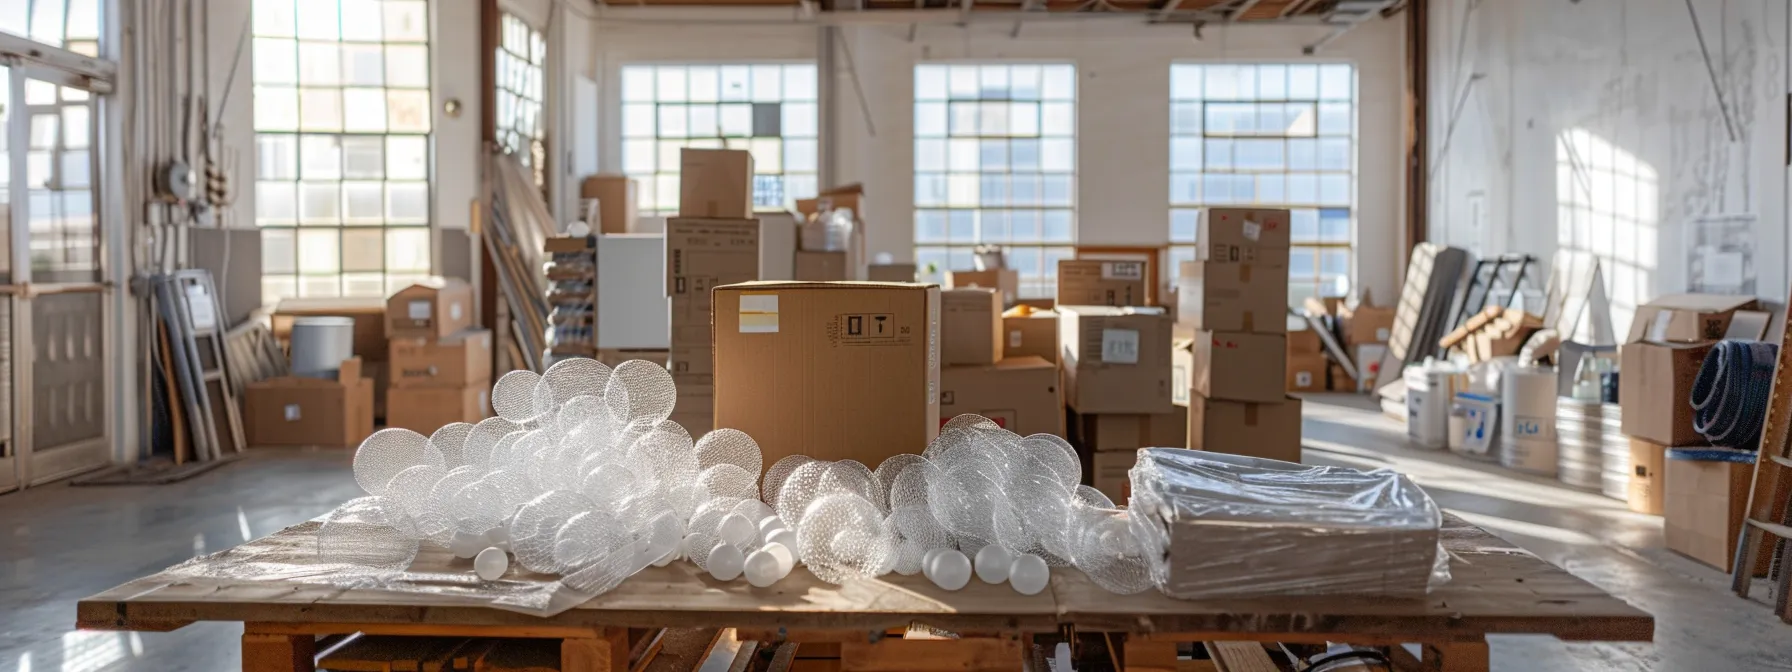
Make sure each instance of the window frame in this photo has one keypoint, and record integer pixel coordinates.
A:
(520, 81)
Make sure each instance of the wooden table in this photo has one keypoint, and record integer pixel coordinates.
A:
(1496, 588)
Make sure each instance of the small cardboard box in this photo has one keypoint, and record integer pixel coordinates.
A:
(1019, 393)
(1242, 428)
(844, 370)
(702, 254)
(970, 327)
(460, 360)
(616, 202)
(820, 266)
(777, 246)
(1234, 366)
(891, 273)
(1304, 340)
(295, 411)
(1111, 473)
(1337, 380)
(1656, 390)
(1703, 509)
(1364, 325)
(613, 357)
(1091, 282)
(1115, 360)
(715, 183)
(1240, 234)
(1005, 280)
(1687, 318)
(429, 310)
(369, 314)
(1647, 473)
(426, 409)
(1306, 372)
(1116, 431)
(1249, 296)
(1033, 334)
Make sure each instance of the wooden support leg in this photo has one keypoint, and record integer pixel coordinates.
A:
(607, 652)
(1149, 656)
(278, 653)
(1457, 657)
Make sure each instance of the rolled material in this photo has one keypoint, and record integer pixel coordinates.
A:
(319, 344)
(1731, 393)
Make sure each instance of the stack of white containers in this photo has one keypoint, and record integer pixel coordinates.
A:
(1590, 436)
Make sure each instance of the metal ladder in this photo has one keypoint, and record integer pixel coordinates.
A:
(1506, 271)
(1770, 495)
(189, 307)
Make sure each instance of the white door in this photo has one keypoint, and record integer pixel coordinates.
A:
(55, 420)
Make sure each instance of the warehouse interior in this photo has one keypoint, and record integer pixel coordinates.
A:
(877, 335)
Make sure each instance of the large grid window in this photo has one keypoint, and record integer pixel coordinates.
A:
(1277, 135)
(70, 24)
(59, 173)
(522, 57)
(342, 121)
(768, 109)
(995, 163)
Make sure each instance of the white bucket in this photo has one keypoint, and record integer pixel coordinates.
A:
(319, 344)
(1528, 420)
(1429, 390)
(1479, 424)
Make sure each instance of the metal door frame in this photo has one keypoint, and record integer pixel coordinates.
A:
(28, 467)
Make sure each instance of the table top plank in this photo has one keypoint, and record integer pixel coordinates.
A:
(1496, 588)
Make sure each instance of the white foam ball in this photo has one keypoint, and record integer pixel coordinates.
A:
(1029, 574)
(466, 545)
(770, 524)
(951, 570)
(992, 563)
(735, 530)
(785, 538)
(491, 563)
(726, 562)
(761, 568)
(786, 558)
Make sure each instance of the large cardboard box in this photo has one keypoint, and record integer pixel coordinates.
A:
(891, 273)
(633, 310)
(715, 183)
(296, 411)
(1704, 507)
(1235, 296)
(616, 202)
(820, 266)
(1304, 340)
(1115, 360)
(702, 254)
(1687, 318)
(1243, 428)
(461, 360)
(1647, 474)
(369, 314)
(1233, 366)
(1306, 372)
(1108, 432)
(429, 310)
(426, 409)
(1005, 280)
(970, 327)
(1364, 325)
(1092, 282)
(1656, 390)
(1034, 334)
(1240, 234)
(1019, 393)
(830, 370)
(1111, 473)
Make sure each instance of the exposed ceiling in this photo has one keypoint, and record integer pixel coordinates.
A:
(1333, 12)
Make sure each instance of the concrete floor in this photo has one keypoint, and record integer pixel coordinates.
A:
(59, 544)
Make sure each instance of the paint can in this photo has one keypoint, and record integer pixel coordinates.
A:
(1528, 421)
(319, 344)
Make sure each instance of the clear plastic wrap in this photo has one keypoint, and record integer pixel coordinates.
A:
(1218, 525)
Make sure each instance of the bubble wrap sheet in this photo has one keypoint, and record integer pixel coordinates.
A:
(1218, 525)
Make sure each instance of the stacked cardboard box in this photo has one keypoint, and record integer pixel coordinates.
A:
(1004, 280)
(1117, 380)
(713, 241)
(299, 411)
(369, 315)
(978, 374)
(441, 368)
(819, 257)
(1233, 374)
(1307, 365)
(1668, 340)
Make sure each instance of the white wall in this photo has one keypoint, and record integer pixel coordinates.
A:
(1123, 109)
(1608, 104)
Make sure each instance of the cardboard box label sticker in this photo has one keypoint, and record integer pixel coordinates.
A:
(1123, 270)
(1303, 378)
(419, 310)
(1120, 346)
(1382, 334)
(1014, 338)
(1252, 230)
(758, 313)
(454, 311)
(292, 412)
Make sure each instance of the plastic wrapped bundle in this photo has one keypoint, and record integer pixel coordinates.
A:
(1218, 525)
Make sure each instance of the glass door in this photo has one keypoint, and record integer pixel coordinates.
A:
(57, 417)
(10, 468)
